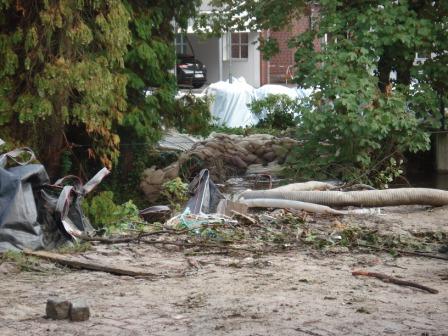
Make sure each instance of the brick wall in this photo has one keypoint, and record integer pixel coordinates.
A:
(278, 69)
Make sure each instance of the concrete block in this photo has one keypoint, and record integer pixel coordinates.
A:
(79, 310)
(57, 308)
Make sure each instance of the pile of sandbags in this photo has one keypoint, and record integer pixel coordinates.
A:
(240, 152)
(224, 155)
(152, 180)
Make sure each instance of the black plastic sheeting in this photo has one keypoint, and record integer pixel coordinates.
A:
(19, 226)
(206, 195)
(35, 214)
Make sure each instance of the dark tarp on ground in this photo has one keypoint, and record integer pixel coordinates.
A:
(35, 214)
(19, 227)
(206, 195)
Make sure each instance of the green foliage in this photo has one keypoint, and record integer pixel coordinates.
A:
(24, 263)
(176, 192)
(246, 131)
(151, 86)
(275, 111)
(78, 72)
(193, 114)
(358, 118)
(66, 163)
(356, 122)
(62, 64)
(100, 209)
(238, 15)
(106, 215)
(390, 171)
(345, 138)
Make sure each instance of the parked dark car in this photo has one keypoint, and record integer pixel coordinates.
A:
(190, 71)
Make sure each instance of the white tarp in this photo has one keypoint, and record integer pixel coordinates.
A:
(231, 100)
(291, 92)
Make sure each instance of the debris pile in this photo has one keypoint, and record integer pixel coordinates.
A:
(224, 155)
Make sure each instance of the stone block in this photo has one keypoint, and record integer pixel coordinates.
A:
(57, 308)
(79, 311)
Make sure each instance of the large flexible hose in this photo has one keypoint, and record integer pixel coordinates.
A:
(304, 186)
(310, 207)
(366, 198)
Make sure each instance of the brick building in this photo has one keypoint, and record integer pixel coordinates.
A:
(236, 54)
(279, 69)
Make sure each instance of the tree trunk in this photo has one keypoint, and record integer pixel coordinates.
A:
(384, 69)
(52, 145)
(404, 69)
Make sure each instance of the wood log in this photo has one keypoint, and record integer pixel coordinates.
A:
(89, 265)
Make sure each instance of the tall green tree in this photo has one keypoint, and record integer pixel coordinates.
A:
(61, 65)
(360, 118)
(150, 61)
(76, 75)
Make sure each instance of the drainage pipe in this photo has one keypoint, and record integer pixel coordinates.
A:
(310, 207)
(365, 198)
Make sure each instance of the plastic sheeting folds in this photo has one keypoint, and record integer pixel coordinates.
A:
(231, 100)
(33, 213)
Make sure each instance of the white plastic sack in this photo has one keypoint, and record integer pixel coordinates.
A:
(230, 100)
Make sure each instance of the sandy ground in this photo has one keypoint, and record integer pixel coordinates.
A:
(299, 292)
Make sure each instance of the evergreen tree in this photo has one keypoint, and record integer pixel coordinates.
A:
(73, 71)
(62, 65)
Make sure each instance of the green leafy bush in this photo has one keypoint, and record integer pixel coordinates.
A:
(356, 137)
(192, 114)
(275, 111)
(106, 215)
(175, 192)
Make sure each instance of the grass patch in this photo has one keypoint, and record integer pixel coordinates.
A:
(24, 263)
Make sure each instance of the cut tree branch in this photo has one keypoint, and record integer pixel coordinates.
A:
(389, 279)
(93, 266)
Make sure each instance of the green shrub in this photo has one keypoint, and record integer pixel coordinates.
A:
(192, 114)
(175, 192)
(356, 137)
(275, 111)
(110, 217)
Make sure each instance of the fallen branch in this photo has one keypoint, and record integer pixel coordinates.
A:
(389, 279)
(93, 266)
(204, 245)
(127, 239)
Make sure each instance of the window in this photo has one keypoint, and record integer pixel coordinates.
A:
(181, 44)
(423, 55)
(314, 19)
(240, 45)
